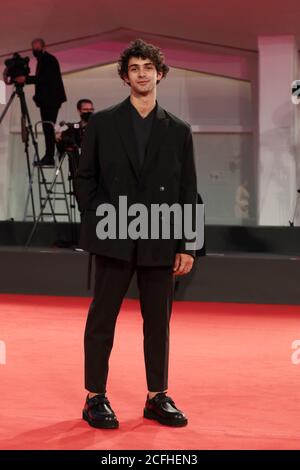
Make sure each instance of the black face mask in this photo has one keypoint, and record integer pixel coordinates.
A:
(37, 54)
(86, 116)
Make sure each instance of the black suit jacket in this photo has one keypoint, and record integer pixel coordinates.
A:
(49, 87)
(109, 167)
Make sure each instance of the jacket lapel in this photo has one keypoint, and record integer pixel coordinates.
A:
(126, 131)
(156, 138)
(125, 128)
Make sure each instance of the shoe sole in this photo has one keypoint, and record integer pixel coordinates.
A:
(100, 425)
(151, 415)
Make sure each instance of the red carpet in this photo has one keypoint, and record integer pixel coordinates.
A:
(230, 371)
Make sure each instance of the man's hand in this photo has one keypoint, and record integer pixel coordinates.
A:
(58, 136)
(183, 264)
(20, 80)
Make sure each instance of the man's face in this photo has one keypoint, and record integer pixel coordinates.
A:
(142, 75)
(86, 108)
(37, 46)
(85, 111)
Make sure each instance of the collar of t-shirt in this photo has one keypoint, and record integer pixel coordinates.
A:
(142, 128)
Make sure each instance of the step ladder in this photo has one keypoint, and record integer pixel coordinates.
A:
(54, 197)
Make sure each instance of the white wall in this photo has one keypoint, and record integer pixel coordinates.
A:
(218, 108)
(278, 134)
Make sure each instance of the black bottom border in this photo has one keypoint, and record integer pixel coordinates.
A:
(137, 458)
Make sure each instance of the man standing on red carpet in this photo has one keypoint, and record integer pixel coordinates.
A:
(139, 150)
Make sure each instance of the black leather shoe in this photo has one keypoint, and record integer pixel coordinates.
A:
(45, 161)
(98, 412)
(162, 409)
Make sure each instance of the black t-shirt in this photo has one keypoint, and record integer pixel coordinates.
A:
(142, 128)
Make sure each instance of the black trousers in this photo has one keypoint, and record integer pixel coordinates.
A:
(156, 289)
(49, 113)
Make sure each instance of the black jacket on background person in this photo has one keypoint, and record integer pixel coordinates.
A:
(49, 96)
(109, 168)
(49, 87)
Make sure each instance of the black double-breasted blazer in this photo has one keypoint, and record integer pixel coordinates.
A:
(109, 167)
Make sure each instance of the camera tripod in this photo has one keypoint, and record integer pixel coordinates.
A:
(291, 222)
(26, 128)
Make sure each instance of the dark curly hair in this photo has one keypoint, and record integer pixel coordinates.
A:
(140, 48)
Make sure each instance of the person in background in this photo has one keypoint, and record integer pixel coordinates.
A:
(49, 94)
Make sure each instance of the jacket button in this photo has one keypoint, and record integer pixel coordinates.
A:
(162, 188)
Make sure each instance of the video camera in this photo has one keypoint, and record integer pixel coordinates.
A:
(16, 66)
(70, 139)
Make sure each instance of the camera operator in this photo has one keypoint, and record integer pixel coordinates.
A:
(70, 140)
(49, 94)
(72, 137)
